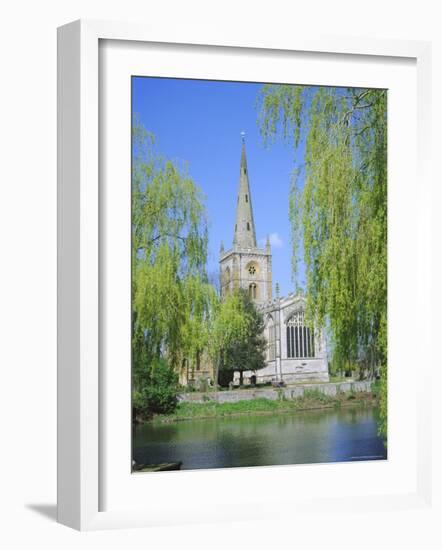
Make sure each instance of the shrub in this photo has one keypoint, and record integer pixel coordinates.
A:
(160, 395)
(375, 389)
(316, 395)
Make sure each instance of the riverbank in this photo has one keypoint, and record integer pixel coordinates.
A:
(310, 400)
(289, 392)
(327, 434)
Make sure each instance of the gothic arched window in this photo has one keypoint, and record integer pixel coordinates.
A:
(248, 226)
(300, 338)
(247, 198)
(253, 291)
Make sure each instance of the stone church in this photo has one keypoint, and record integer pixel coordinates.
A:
(295, 352)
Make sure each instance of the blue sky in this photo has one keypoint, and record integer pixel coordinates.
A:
(200, 122)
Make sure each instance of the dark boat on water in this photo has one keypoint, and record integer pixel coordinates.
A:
(164, 467)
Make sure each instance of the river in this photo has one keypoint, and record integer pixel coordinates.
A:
(326, 435)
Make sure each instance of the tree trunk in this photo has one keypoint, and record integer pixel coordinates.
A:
(218, 364)
(215, 375)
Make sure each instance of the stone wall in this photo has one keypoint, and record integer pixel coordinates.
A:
(233, 396)
(293, 371)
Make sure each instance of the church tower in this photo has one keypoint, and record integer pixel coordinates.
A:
(245, 265)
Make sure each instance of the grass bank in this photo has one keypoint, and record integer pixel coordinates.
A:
(312, 399)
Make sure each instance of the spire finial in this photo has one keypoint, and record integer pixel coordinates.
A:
(243, 136)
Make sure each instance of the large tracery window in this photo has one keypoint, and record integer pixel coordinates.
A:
(300, 338)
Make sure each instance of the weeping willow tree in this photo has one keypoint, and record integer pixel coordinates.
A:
(171, 297)
(338, 213)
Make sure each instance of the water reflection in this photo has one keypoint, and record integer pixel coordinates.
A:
(306, 437)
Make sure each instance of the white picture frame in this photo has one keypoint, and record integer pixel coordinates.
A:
(80, 438)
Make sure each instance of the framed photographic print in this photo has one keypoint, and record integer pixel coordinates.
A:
(237, 275)
(222, 347)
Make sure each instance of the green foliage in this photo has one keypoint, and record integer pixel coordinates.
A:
(316, 395)
(171, 298)
(245, 350)
(159, 395)
(375, 388)
(383, 394)
(229, 323)
(338, 212)
(213, 409)
(261, 405)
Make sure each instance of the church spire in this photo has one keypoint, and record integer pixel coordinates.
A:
(244, 236)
